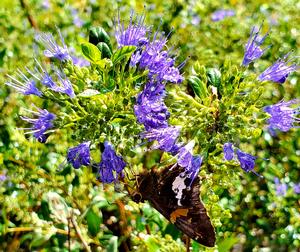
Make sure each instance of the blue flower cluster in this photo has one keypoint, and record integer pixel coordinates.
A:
(27, 83)
(246, 160)
(279, 71)
(41, 124)
(219, 15)
(111, 166)
(282, 116)
(150, 53)
(79, 155)
(252, 49)
(150, 108)
(281, 188)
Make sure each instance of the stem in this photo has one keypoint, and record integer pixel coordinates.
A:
(29, 229)
(86, 246)
(69, 235)
(58, 231)
(29, 17)
(79, 106)
(183, 96)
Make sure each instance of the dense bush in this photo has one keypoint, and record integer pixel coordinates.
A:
(51, 200)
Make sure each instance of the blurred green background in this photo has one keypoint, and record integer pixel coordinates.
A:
(34, 196)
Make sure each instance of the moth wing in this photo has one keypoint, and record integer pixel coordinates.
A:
(196, 224)
(189, 215)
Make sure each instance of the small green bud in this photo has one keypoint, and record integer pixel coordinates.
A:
(105, 50)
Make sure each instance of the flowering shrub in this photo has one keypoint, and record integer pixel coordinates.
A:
(127, 104)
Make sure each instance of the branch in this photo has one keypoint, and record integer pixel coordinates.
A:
(29, 17)
(86, 246)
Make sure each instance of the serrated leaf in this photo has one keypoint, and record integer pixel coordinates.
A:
(89, 93)
(91, 52)
(123, 52)
(93, 221)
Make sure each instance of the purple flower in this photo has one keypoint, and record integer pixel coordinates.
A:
(283, 117)
(195, 20)
(135, 58)
(77, 21)
(252, 49)
(3, 177)
(166, 137)
(158, 61)
(279, 71)
(281, 188)
(53, 50)
(150, 109)
(111, 165)
(297, 188)
(149, 54)
(65, 84)
(185, 155)
(135, 34)
(246, 160)
(46, 4)
(41, 124)
(25, 85)
(186, 160)
(175, 148)
(193, 169)
(219, 15)
(79, 155)
(81, 62)
(41, 74)
(228, 151)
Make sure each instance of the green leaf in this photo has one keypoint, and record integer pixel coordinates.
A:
(152, 244)
(97, 35)
(123, 52)
(198, 86)
(38, 241)
(105, 50)
(89, 93)
(105, 64)
(214, 77)
(2, 54)
(91, 52)
(93, 221)
(105, 87)
(226, 244)
(171, 230)
(112, 244)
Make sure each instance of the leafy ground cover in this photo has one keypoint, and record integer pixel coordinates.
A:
(46, 204)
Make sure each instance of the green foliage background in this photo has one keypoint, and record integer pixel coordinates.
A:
(255, 218)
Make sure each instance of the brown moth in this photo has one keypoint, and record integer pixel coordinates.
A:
(177, 198)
